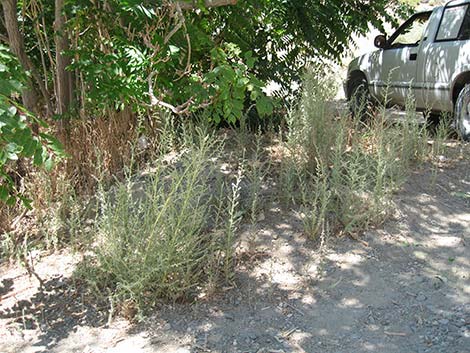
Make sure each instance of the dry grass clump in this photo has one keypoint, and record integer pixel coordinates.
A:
(97, 148)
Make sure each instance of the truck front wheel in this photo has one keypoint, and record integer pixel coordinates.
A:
(462, 113)
(359, 99)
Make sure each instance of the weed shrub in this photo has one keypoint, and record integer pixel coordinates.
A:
(171, 234)
(343, 170)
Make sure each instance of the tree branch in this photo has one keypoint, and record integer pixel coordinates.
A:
(154, 101)
(182, 109)
(179, 24)
(207, 3)
(4, 38)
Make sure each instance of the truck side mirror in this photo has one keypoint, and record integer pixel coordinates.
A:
(380, 41)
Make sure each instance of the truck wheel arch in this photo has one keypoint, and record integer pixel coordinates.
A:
(353, 76)
(459, 83)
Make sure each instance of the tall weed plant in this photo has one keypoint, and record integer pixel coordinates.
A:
(170, 235)
(343, 169)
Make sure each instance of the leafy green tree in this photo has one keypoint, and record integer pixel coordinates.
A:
(161, 57)
(286, 35)
(218, 59)
(20, 131)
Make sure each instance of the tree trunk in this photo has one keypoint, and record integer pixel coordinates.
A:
(64, 78)
(15, 39)
(16, 42)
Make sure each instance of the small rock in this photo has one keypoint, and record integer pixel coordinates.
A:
(437, 283)
(421, 297)
(421, 279)
(385, 322)
(465, 333)
(448, 315)
(355, 337)
(442, 159)
(214, 338)
(444, 322)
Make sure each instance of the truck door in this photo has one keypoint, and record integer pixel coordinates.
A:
(444, 54)
(399, 59)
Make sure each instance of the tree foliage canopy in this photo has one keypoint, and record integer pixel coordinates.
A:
(285, 36)
(163, 57)
(213, 57)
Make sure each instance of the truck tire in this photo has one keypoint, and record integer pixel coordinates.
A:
(462, 113)
(359, 98)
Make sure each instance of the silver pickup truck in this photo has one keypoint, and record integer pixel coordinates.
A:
(428, 57)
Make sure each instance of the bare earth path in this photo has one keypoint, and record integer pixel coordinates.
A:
(404, 288)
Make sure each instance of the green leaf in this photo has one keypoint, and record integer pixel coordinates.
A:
(11, 201)
(249, 59)
(29, 147)
(26, 202)
(7, 88)
(38, 158)
(463, 195)
(264, 106)
(4, 192)
(49, 164)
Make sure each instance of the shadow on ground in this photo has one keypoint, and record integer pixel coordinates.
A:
(404, 288)
(54, 311)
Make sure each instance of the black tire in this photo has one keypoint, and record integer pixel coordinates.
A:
(359, 98)
(462, 113)
(432, 121)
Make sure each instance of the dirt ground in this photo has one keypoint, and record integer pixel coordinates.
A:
(404, 287)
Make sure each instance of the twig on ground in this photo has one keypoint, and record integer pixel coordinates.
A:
(290, 332)
(295, 309)
(401, 334)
